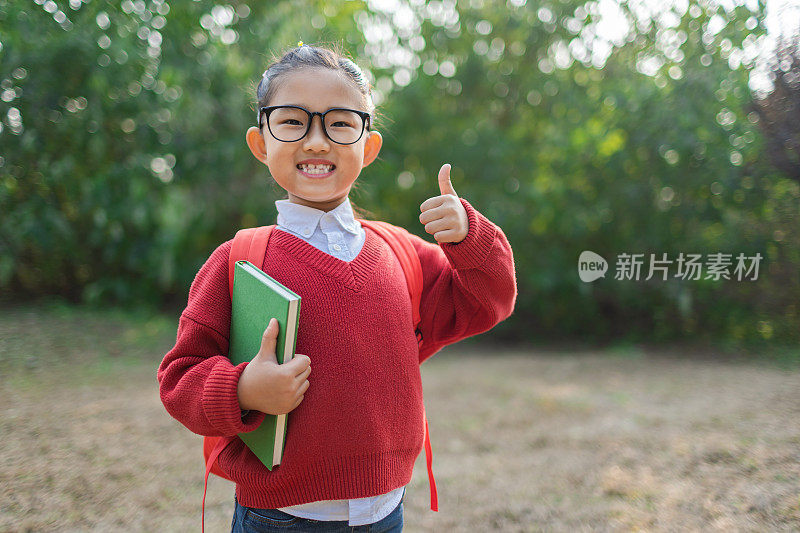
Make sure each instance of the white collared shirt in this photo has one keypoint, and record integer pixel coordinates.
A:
(336, 232)
(339, 234)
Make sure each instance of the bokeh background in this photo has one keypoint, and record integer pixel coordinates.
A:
(618, 127)
(628, 127)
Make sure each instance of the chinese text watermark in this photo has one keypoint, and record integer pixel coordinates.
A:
(713, 266)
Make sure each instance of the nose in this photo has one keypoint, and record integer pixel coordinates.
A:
(316, 140)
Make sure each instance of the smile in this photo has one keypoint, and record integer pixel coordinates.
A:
(316, 171)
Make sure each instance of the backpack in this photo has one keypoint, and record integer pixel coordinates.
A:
(251, 244)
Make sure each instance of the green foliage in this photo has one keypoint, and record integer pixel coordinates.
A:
(129, 164)
(567, 157)
(123, 162)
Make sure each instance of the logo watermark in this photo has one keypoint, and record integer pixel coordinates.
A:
(715, 266)
(591, 266)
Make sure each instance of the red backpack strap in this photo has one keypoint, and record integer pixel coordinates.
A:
(429, 464)
(397, 239)
(400, 243)
(217, 445)
(249, 244)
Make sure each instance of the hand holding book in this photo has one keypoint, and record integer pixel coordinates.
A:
(270, 387)
(276, 379)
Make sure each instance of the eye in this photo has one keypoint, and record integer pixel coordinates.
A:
(292, 122)
(342, 124)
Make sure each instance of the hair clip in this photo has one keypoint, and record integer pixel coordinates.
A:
(299, 44)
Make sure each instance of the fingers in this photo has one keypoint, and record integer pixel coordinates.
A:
(448, 235)
(438, 207)
(303, 388)
(438, 226)
(298, 364)
(268, 340)
(304, 374)
(445, 185)
(447, 223)
(436, 213)
(302, 379)
(446, 190)
(297, 402)
(439, 218)
(432, 203)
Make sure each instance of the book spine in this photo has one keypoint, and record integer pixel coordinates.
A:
(281, 425)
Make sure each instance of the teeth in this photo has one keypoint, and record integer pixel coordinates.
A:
(316, 169)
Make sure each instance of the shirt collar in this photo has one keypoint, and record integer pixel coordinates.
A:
(304, 220)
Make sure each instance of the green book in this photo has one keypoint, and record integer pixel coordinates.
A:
(257, 298)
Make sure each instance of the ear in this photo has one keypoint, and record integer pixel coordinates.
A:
(256, 143)
(372, 147)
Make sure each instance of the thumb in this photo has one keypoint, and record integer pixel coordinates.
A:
(268, 340)
(445, 186)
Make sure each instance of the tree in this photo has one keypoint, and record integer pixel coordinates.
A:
(779, 110)
(122, 161)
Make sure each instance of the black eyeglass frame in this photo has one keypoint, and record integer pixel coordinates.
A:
(366, 120)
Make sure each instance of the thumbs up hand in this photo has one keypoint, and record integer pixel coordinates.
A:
(269, 387)
(444, 216)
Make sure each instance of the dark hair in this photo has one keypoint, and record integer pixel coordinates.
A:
(306, 56)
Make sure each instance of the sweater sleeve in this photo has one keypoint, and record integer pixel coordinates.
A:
(197, 382)
(468, 287)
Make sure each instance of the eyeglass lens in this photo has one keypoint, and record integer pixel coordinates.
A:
(289, 124)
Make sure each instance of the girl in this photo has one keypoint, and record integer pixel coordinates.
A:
(357, 421)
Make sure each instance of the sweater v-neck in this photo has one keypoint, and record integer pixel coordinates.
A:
(353, 274)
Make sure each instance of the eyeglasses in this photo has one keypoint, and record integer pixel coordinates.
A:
(289, 123)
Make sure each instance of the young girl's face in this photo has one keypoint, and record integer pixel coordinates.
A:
(315, 89)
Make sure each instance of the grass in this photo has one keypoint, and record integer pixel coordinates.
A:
(525, 440)
(55, 341)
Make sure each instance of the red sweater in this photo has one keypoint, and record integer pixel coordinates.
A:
(359, 428)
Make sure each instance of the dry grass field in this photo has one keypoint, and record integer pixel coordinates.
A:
(524, 441)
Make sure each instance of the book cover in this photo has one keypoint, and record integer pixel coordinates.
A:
(256, 298)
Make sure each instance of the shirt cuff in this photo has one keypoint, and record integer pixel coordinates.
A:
(476, 246)
(221, 401)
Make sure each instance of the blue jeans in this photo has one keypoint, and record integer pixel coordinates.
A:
(252, 520)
